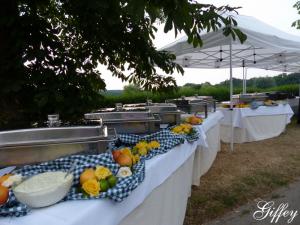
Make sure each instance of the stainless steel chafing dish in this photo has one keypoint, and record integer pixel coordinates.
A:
(27, 146)
(168, 112)
(130, 120)
(195, 104)
(247, 98)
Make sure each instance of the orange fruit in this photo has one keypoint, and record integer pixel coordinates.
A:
(116, 154)
(124, 160)
(3, 194)
(4, 178)
(87, 174)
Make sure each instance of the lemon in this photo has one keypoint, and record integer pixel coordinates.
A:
(142, 151)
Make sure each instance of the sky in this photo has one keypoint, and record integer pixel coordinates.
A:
(278, 13)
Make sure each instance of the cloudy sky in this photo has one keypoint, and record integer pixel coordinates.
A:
(278, 13)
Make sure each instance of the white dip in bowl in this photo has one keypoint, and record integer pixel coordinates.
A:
(43, 189)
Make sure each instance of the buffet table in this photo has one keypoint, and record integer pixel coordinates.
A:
(160, 199)
(255, 124)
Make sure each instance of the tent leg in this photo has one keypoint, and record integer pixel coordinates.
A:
(231, 93)
(246, 80)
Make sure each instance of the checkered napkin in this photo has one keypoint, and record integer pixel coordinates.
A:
(123, 188)
(167, 140)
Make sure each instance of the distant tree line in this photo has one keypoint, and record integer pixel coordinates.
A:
(266, 82)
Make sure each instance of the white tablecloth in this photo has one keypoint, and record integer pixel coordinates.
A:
(253, 125)
(240, 113)
(160, 169)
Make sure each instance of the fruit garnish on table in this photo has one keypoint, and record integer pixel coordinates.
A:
(93, 181)
(126, 157)
(242, 105)
(270, 103)
(144, 147)
(6, 182)
(91, 187)
(154, 144)
(124, 172)
(183, 128)
(129, 157)
(87, 174)
(4, 178)
(4, 193)
(194, 120)
(102, 172)
(12, 180)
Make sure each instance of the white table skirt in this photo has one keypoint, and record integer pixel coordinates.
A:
(206, 153)
(205, 156)
(254, 125)
(208, 144)
(107, 212)
(240, 113)
(166, 205)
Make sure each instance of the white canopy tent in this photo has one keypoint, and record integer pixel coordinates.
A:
(265, 48)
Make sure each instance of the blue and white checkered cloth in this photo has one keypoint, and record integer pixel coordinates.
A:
(123, 188)
(167, 140)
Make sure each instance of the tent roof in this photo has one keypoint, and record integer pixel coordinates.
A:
(266, 48)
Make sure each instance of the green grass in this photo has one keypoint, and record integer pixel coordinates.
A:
(221, 199)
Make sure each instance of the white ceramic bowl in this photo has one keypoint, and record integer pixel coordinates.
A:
(45, 196)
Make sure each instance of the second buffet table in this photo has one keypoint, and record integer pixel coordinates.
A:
(255, 124)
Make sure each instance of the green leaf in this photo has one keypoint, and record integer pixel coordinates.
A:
(168, 25)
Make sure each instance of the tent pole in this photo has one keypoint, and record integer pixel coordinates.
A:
(231, 93)
(244, 86)
(246, 70)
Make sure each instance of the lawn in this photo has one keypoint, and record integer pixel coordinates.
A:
(251, 171)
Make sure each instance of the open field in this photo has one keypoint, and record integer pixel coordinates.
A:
(251, 171)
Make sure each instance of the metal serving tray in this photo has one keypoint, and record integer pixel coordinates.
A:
(27, 146)
(195, 104)
(247, 98)
(135, 122)
(168, 112)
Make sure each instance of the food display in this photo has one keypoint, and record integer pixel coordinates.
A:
(4, 193)
(93, 181)
(124, 172)
(130, 156)
(270, 103)
(194, 120)
(4, 178)
(242, 105)
(183, 128)
(43, 189)
(113, 174)
(235, 105)
(6, 182)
